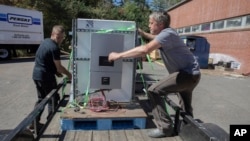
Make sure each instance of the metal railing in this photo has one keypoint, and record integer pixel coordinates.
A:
(200, 129)
(32, 116)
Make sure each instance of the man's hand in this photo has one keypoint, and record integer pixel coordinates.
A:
(70, 77)
(113, 56)
(140, 31)
(59, 74)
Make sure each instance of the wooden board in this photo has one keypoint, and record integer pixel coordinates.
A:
(155, 55)
(52, 132)
(114, 135)
(126, 110)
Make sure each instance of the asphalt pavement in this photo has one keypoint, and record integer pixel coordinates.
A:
(220, 97)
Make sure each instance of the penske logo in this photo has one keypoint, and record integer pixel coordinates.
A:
(19, 19)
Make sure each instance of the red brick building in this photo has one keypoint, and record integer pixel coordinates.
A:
(225, 24)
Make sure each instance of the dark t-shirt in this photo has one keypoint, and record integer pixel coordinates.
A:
(45, 68)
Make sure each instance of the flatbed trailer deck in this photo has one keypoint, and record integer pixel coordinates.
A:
(54, 133)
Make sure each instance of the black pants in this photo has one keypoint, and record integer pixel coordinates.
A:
(43, 89)
(179, 82)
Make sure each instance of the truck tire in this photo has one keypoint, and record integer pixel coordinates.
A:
(4, 54)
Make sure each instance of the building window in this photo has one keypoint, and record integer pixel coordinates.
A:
(187, 29)
(205, 27)
(214, 26)
(218, 25)
(248, 20)
(180, 30)
(195, 28)
(236, 22)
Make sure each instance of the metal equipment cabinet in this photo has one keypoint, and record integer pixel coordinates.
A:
(93, 40)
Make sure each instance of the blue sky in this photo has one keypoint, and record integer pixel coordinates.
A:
(148, 1)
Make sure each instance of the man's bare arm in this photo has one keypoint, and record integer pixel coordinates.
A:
(146, 35)
(62, 69)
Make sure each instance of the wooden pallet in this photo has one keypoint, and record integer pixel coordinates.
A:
(54, 133)
(129, 116)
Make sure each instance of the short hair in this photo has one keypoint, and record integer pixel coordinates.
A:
(161, 17)
(58, 28)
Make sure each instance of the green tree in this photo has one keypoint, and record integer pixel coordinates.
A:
(160, 5)
(63, 11)
(136, 13)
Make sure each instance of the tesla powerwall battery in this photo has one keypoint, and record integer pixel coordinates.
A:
(105, 74)
(93, 40)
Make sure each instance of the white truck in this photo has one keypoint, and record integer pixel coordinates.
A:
(19, 29)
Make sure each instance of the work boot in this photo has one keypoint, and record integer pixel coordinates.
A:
(157, 133)
(32, 126)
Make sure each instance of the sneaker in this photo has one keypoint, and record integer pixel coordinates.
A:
(157, 133)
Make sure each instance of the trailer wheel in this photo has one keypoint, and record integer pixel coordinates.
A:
(4, 53)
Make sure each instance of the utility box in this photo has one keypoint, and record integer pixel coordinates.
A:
(105, 74)
(200, 47)
(93, 40)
